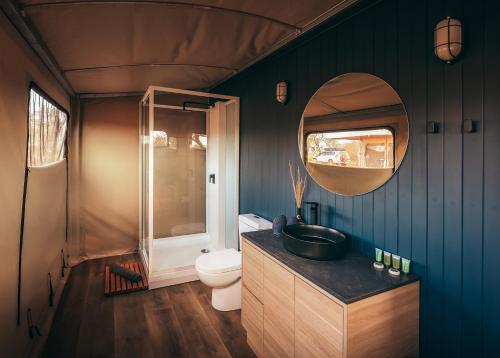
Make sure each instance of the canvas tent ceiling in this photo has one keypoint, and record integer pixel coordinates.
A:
(124, 46)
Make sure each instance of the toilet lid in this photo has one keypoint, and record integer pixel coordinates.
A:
(219, 261)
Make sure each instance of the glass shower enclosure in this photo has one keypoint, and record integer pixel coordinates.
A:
(188, 180)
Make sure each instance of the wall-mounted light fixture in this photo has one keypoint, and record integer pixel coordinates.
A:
(448, 39)
(282, 92)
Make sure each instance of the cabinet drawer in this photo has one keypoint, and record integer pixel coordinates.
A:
(252, 319)
(253, 270)
(278, 310)
(319, 323)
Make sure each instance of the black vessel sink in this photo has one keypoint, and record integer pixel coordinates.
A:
(314, 242)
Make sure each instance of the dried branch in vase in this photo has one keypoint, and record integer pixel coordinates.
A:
(298, 185)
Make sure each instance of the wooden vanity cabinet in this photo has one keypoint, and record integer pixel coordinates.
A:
(285, 315)
(278, 304)
(252, 319)
(253, 270)
(319, 323)
(252, 309)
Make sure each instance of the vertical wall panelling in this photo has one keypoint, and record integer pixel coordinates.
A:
(390, 74)
(379, 63)
(289, 130)
(452, 161)
(435, 190)
(491, 193)
(441, 208)
(420, 45)
(269, 151)
(404, 196)
(473, 182)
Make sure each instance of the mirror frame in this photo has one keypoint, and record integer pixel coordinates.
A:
(302, 145)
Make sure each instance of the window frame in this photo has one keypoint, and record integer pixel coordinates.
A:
(47, 97)
(390, 129)
(33, 86)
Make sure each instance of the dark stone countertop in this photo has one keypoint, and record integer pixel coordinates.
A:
(350, 279)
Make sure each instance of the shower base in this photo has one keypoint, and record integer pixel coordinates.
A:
(174, 259)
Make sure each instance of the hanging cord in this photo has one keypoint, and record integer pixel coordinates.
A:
(66, 151)
(51, 291)
(32, 329)
(23, 216)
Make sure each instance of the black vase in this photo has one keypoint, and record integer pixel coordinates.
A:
(279, 223)
(299, 215)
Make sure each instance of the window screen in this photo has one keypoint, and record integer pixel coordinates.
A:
(47, 130)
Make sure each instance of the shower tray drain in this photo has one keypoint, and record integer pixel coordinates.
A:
(205, 251)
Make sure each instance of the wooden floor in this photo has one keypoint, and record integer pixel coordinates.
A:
(175, 321)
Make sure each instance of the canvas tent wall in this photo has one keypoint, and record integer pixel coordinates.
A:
(44, 234)
(104, 179)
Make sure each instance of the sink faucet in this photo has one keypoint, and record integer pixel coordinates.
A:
(313, 212)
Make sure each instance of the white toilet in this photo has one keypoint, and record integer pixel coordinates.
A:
(222, 269)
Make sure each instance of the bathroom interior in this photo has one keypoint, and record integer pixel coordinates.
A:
(250, 179)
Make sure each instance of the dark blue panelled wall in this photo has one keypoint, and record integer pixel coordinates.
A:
(442, 208)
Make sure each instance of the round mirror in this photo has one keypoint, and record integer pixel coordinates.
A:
(353, 134)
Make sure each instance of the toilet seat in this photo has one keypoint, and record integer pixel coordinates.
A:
(219, 262)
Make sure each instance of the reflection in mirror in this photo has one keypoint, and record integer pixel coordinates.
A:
(353, 134)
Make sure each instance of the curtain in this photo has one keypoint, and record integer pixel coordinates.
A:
(47, 131)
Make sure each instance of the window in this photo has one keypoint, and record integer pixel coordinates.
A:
(371, 149)
(198, 141)
(160, 138)
(163, 140)
(47, 130)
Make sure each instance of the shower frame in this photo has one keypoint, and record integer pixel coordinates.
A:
(147, 108)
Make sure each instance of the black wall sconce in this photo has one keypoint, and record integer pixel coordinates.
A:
(448, 39)
(282, 92)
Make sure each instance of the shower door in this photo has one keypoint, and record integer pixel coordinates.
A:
(180, 147)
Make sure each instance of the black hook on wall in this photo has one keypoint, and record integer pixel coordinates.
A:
(63, 263)
(51, 291)
(32, 329)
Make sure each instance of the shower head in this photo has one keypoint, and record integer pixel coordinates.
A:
(184, 108)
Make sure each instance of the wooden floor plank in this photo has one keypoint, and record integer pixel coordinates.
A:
(131, 337)
(165, 331)
(97, 318)
(203, 339)
(175, 321)
(226, 324)
(63, 342)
